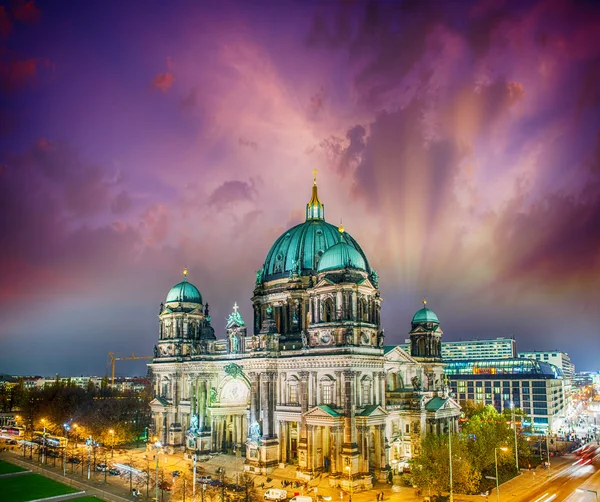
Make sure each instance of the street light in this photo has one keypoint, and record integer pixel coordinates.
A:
(157, 445)
(66, 426)
(349, 469)
(44, 442)
(512, 407)
(112, 443)
(450, 455)
(582, 490)
(503, 448)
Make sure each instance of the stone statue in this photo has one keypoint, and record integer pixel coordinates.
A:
(416, 382)
(155, 351)
(259, 276)
(193, 423)
(304, 340)
(380, 337)
(234, 344)
(255, 430)
(375, 278)
(161, 308)
(213, 395)
(348, 337)
(206, 309)
(269, 312)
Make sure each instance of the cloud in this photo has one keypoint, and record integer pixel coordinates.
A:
(121, 203)
(163, 81)
(26, 12)
(231, 192)
(15, 75)
(5, 24)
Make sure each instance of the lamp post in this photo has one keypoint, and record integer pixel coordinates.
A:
(44, 442)
(503, 448)
(157, 445)
(195, 460)
(548, 449)
(512, 407)
(450, 455)
(66, 426)
(349, 469)
(112, 443)
(582, 490)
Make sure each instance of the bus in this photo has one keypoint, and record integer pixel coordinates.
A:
(55, 441)
(12, 431)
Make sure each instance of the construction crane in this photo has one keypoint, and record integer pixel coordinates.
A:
(113, 359)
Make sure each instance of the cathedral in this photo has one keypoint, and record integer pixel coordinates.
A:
(312, 382)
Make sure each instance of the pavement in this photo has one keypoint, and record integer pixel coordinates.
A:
(118, 487)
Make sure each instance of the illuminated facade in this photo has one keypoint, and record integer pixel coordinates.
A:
(536, 387)
(466, 350)
(310, 384)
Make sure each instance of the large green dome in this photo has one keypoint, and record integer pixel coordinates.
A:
(184, 292)
(425, 315)
(340, 256)
(300, 249)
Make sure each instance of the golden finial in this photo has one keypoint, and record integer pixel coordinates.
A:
(424, 303)
(315, 171)
(185, 272)
(341, 229)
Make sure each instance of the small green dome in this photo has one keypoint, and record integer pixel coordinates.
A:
(425, 315)
(340, 256)
(184, 292)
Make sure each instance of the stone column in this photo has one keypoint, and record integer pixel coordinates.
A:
(338, 389)
(283, 438)
(340, 306)
(354, 300)
(303, 436)
(349, 401)
(313, 394)
(254, 398)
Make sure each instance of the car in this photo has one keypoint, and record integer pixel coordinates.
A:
(276, 494)
(53, 454)
(232, 487)
(102, 467)
(11, 441)
(74, 460)
(205, 479)
(113, 471)
(176, 473)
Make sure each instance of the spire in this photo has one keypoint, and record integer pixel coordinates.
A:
(424, 303)
(315, 210)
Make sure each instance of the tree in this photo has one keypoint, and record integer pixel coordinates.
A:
(431, 469)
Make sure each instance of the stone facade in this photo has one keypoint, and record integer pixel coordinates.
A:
(313, 384)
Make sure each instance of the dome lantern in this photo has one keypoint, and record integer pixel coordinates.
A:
(315, 210)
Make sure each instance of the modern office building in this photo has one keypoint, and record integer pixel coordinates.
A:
(536, 387)
(466, 350)
(556, 357)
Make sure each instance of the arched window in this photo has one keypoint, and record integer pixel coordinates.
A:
(326, 387)
(292, 390)
(328, 310)
(365, 391)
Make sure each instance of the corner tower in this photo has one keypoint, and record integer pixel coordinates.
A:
(426, 347)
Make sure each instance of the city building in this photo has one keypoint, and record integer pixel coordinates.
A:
(556, 357)
(466, 350)
(536, 387)
(310, 383)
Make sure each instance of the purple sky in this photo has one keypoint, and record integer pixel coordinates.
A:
(459, 142)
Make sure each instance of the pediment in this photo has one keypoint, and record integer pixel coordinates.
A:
(373, 411)
(397, 354)
(322, 411)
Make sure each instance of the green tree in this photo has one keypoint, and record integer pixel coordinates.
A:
(431, 469)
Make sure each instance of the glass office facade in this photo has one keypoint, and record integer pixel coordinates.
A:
(534, 386)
